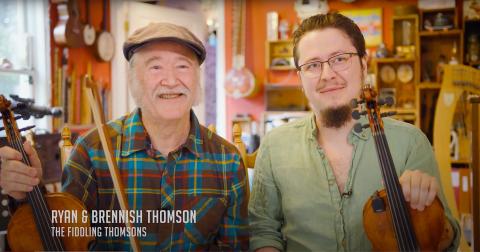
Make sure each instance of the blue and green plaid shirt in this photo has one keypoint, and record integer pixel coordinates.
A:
(204, 174)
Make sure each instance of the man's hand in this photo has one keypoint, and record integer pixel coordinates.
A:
(16, 178)
(419, 188)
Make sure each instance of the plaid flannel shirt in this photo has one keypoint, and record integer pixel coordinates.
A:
(205, 174)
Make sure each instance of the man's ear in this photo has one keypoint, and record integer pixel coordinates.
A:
(364, 65)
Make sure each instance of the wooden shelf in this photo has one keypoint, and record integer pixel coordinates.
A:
(429, 85)
(453, 32)
(400, 111)
(438, 10)
(473, 63)
(394, 60)
(460, 161)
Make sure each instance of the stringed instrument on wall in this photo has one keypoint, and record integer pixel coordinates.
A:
(88, 29)
(30, 227)
(105, 43)
(69, 29)
(389, 221)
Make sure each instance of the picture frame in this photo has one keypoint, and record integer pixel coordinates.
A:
(370, 22)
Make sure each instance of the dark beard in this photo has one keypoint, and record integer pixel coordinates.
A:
(336, 117)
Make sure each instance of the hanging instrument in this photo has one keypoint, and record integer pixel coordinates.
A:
(30, 227)
(389, 221)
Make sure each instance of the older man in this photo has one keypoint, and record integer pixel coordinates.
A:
(167, 160)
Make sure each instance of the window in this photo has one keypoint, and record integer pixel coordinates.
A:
(24, 54)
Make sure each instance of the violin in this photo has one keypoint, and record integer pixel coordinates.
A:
(389, 221)
(30, 227)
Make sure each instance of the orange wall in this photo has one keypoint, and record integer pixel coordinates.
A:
(79, 57)
(256, 37)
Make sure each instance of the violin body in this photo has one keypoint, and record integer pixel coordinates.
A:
(427, 224)
(24, 236)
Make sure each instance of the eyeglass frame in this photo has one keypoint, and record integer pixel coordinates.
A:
(326, 61)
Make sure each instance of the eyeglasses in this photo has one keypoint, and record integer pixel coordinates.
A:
(337, 63)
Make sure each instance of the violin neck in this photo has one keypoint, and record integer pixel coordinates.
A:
(35, 198)
(399, 210)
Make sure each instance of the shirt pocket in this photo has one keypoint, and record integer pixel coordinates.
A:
(208, 212)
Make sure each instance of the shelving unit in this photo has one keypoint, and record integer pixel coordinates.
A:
(284, 98)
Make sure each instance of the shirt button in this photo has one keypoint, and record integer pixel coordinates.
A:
(344, 243)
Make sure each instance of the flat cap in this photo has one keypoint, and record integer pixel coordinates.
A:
(154, 32)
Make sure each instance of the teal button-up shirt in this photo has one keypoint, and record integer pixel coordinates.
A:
(295, 203)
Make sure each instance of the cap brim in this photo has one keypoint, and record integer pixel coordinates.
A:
(130, 49)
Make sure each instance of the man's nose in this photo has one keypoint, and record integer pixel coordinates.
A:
(170, 78)
(327, 72)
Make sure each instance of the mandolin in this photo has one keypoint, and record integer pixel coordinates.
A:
(30, 227)
(389, 221)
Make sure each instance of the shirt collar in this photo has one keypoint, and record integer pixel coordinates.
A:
(312, 129)
(135, 137)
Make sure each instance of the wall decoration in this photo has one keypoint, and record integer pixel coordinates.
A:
(370, 23)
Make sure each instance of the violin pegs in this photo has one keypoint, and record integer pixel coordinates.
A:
(26, 128)
(358, 127)
(354, 102)
(356, 114)
(387, 114)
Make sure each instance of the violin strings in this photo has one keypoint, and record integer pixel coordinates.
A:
(32, 196)
(392, 192)
(35, 197)
(400, 199)
(381, 156)
(17, 146)
(399, 216)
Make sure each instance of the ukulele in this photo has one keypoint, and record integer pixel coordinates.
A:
(68, 31)
(389, 221)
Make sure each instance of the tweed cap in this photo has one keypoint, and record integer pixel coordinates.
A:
(154, 32)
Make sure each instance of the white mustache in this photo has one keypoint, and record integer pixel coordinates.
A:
(167, 91)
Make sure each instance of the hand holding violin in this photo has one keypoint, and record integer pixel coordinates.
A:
(420, 189)
(17, 178)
